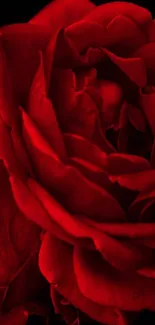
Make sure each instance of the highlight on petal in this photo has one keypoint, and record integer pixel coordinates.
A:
(56, 264)
(61, 13)
(105, 285)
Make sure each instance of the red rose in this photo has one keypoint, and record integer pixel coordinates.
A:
(78, 160)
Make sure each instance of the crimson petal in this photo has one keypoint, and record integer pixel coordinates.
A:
(60, 272)
(103, 284)
(147, 102)
(21, 44)
(138, 181)
(105, 13)
(134, 68)
(66, 180)
(17, 316)
(41, 110)
(7, 105)
(119, 164)
(61, 13)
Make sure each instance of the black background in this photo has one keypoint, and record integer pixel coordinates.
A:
(14, 11)
(18, 11)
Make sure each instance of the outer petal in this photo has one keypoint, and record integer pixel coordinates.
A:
(61, 13)
(21, 43)
(7, 105)
(106, 12)
(121, 31)
(34, 211)
(104, 285)
(57, 266)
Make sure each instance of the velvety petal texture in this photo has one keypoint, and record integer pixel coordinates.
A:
(77, 159)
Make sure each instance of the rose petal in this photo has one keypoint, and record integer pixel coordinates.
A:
(103, 284)
(85, 34)
(62, 307)
(125, 32)
(119, 163)
(123, 255)
(21, 43)
(20, 151)
(61, 13)
(80, 147)
(41, 110)
(34, 209)
(9, 259)
(120, 30)
(93, 173)
(19, 293)
(134, 68)
(137, 118)
(60, 271)
(7, 153)
(62, 93)
(71, 224)
(112, 95)
(17, 316)
(66, 180)
(147, 271)
(66, 55)
(7, 105)
(152, 159)
(138, 181)
(151, 31)
(141, 202)
(83, 116)
(147, 102)
(146, 53)
(129, 230)
(105, 13)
